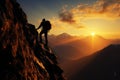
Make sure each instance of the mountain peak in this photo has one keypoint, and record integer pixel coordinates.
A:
(64, 35)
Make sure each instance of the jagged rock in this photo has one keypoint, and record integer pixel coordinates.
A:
(21, 55)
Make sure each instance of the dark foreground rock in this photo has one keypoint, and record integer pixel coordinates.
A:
(21, 55)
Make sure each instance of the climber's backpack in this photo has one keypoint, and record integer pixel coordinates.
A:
(47, 25)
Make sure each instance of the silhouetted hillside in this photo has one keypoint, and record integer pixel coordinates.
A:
(21, 56)
(103, 65)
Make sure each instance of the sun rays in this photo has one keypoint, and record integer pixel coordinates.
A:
(92, 34)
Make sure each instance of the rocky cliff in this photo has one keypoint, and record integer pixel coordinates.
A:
(21, 55)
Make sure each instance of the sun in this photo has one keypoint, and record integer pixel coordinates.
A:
(92, 33)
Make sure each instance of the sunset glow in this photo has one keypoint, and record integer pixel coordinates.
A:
(92, 33)
(77, 17)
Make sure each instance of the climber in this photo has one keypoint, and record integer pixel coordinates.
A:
(46, 26)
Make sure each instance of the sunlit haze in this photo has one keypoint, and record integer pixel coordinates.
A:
(76, 17)
(92, 33)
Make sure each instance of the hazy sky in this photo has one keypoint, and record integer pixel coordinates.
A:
(76, 17)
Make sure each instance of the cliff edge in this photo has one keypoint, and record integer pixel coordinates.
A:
(22, 57)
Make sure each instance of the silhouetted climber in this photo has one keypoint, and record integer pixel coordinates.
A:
(46, 26)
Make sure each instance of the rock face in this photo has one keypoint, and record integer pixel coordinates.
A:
(21, 55)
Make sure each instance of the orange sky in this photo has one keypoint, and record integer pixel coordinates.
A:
(101, 17)
(77, 17)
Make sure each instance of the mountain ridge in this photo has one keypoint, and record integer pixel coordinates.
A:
(76, 48)
(102, 65)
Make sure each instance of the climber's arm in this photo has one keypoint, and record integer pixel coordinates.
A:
(39, 26)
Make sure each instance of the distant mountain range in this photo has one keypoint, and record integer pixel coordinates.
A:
(73, 47)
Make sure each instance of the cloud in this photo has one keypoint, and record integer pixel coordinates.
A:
(101, 8)
(107, 9)
(78, 17)
(81, 26)
(66, 16)
(111, 7)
